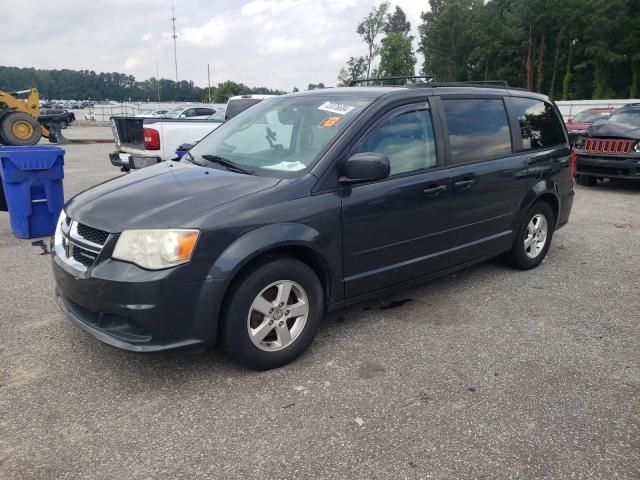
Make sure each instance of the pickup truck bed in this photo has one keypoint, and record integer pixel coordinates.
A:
(129, 134)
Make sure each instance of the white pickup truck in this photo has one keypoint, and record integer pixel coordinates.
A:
(141, 142)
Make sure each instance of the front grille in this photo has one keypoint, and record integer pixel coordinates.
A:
(607, 145)
(80, 245)
(92, 234)
(83, 256)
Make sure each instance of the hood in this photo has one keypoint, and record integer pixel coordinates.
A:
(161, 196)
(617, 130)
(578, 126)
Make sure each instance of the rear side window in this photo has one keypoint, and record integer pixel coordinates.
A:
(478, 129)
(539, 124)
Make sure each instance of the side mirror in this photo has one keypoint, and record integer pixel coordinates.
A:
(365, 167)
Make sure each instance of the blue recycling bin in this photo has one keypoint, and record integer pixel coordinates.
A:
(32, 183)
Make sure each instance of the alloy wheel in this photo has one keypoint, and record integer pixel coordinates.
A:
(278, 315)
(536, 236)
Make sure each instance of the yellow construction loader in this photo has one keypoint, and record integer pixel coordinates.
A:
(19, 119)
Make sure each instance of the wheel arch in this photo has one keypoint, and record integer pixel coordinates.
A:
(298, 241)
(545, 191)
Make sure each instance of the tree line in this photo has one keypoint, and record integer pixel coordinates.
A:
(569, 49)
(89, 85)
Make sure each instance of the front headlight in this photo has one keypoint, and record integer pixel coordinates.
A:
(156, 249)
(57, 237)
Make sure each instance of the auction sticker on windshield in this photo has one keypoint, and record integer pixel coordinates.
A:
(333, 107)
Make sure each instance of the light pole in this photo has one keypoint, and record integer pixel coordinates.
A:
(209, 81)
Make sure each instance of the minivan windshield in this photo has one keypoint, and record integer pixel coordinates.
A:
(280, 136)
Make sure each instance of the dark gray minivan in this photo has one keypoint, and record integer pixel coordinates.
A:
(308, 202)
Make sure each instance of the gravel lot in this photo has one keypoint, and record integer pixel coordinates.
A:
(488, 373)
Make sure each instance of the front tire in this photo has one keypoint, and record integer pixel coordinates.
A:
(273, 314)
(20, 129)
(533, 237)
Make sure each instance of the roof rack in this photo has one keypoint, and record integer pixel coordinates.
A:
(429, 78)
(470, 83)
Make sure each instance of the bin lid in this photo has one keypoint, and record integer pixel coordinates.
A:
(31, 157)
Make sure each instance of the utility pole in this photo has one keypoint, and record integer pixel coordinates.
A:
(209, 81)
(175, 51)
(158, 82)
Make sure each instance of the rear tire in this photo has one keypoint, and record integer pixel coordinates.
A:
(533, 237)
(19, 128)
(586, 181)
(265, 327)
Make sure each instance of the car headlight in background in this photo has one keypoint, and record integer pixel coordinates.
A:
(156, 249)
(636, 147)
(579, 143)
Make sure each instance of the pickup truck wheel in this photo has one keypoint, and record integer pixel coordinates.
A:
(533, 237)
(273, 314)
(586, 181)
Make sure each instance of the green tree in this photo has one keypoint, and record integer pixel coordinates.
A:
(447, 39)
(355, 69)
(397, 23)
(226, 90)
(370, 28)
(396, 56)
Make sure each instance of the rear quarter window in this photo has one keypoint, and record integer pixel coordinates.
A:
(234, 107)
(478, 129)
(540, 126)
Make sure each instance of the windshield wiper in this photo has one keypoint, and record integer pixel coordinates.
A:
(190, 158)
(232, 167)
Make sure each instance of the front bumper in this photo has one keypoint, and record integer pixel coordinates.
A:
(603, 166)
(138, 310)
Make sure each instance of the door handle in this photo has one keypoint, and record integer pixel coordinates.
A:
(435, 190)
(463, 184)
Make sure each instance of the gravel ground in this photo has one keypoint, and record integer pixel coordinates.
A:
(488, 373)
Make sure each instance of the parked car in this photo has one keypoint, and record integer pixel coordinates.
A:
(190, 111)
(153, 113)
(53, 115)
(307, 203)
(579, 124)
(611, 149)
(140, 143)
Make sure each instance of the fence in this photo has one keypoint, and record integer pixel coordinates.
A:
(102, 113)
(570, 108)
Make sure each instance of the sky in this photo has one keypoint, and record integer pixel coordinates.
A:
(272, 43)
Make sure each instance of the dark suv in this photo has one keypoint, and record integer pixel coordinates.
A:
(610, 149)
(309, 202)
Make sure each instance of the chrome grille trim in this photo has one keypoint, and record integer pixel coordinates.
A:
(69, 243)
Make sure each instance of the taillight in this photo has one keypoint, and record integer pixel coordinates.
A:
(151, 139)
(573, 158)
